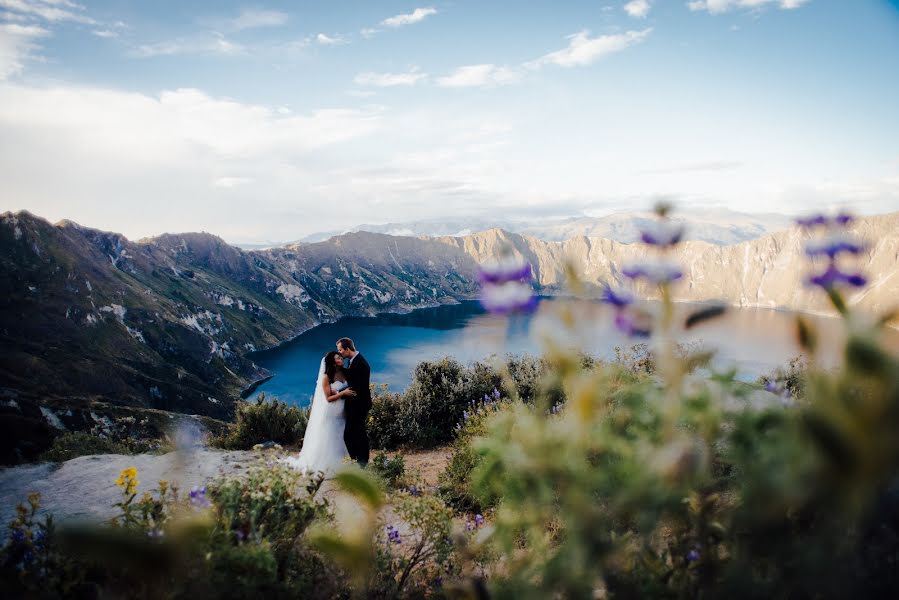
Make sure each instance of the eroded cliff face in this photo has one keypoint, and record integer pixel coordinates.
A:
(768, 272)
(89, 318)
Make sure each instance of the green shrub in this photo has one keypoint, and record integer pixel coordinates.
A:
(265, 421)
(391, 470)
(385, 429)
(74, 444)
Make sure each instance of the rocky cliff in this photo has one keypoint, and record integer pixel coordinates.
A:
(767, 272)
(89, 318)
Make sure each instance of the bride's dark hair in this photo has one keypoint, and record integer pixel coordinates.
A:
(330, 367)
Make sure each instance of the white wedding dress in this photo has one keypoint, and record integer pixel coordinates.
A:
(323, 446)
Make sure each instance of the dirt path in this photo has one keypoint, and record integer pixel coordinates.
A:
(429, 464)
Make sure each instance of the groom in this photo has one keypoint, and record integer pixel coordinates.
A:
(356, 409)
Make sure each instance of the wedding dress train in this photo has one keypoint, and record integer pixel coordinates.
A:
(323, 446)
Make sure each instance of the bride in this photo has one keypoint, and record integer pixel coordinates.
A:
(323, 446)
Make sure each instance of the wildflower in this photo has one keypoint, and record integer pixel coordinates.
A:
(18, 535)
(515, 296)
(771, 386)
(507, 269)
(842, 219)
(662, 233)
(834, 277)
(198, 498)
(813, 221)
(414, 491)
(633, 324)
(128, 480)
(616, 299)
(478, 520)
(496, 394)
(658, 272)
(693, 555)
(835, 244)
(506, 285)
(393, 535)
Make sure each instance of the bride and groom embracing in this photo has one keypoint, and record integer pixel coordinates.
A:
(340, 406)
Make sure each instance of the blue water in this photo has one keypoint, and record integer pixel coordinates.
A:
(753, 340)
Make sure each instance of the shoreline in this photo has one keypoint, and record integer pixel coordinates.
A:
(254, 385)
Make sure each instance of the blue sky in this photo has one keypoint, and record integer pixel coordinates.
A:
(268, 121)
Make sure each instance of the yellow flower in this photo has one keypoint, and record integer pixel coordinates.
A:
(128, 480)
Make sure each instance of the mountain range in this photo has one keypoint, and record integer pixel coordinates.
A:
(714, 225)
(91, 321)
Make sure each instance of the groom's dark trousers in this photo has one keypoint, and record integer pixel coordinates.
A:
(356, 409)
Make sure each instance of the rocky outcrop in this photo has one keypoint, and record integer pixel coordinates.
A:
(169, 323)
(768, 272)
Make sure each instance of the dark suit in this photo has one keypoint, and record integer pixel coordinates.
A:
(356, 409)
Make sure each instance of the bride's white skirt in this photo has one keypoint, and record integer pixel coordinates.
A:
(323, 446)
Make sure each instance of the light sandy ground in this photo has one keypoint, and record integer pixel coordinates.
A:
(84, 487)
(429, 464)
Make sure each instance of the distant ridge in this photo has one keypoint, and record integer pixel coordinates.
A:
(713, 225)
(89, 318)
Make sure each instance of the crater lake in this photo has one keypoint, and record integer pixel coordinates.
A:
(754, 340)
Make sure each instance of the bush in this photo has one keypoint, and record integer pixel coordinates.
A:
(454, 484)
(391, 470)
(385, 428)
(265, 421)
(74, 444)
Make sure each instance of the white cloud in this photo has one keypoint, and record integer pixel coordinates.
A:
(369, 32)
(213, 43)
(327, 40)
(230, 182)
(105, 33)
(153, 163)
(638, 8)
(48, 10)
(415, 16)
(252, 19)
(485, 75)
(390, 79)
(16, 46)
(722, 6)
(584, 50)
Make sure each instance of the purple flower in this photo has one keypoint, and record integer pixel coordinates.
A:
(771, 386)
(813, 221)
(843, 218)
(18, 535)
(505, 298)
(693, 555)
(833, 277)
(662, 233)
(414, 491)
(655, 272)
(626, 324)
(198, 498)
(616, 299)
(835, 244)
(505, 270)
(478, 520)
(496, 394)
(393, 535)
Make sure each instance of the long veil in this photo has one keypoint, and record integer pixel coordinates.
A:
(323, 448)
